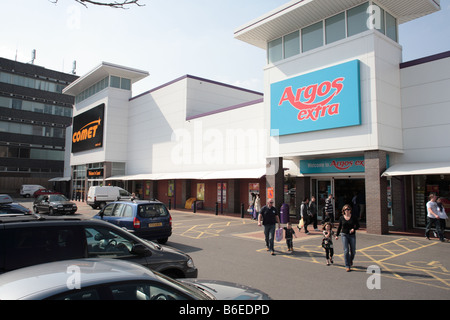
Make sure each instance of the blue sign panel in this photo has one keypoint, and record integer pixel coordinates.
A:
(333, 165)
(324, 99)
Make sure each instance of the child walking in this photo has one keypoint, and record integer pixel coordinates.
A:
(327, 242)
(289, 233)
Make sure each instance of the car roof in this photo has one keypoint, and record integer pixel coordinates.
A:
(137, 202)
(49, 279)
(5, 199)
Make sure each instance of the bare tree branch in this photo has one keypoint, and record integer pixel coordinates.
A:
(115, 4)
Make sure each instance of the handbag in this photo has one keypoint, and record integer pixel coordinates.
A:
(279, 234)
(301, 223)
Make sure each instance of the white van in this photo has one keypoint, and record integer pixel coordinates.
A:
(98, 197)
(27, 190)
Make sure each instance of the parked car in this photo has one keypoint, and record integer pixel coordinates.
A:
(146, 219)
(34, 239)
(8, 206)
(27, 190)
(41, 192)
(94, 279)
(99, 197)
(54, 203)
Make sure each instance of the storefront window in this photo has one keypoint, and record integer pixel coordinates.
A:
(312, 36)
(422, 187)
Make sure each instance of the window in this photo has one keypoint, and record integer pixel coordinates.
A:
(115, 82)
(357, 19)
(275, 50)
(335, 28)
(29, 246)
(312, 36)
(292, 44)
(152, 210)
(125, 84)
(144, 291)
(391, 27)
(106, 242)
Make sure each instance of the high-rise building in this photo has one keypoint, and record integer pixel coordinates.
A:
(34, 114)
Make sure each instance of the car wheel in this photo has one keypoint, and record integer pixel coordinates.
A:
(51, 211)
(35, 209)
(102, 205)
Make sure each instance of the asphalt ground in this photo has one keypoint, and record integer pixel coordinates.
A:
(400, 266)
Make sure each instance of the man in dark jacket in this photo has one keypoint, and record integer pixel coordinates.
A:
(269, 216)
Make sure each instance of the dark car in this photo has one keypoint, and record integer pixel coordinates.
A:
(146, 219)
(7, 206)
(33, 239)
(94, 279)
(53, 204)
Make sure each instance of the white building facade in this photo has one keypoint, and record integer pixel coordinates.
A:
(341, 113)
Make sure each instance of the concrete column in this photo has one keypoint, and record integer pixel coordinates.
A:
(275, 179)
(376, 192)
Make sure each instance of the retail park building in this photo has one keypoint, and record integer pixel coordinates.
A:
(341, 113)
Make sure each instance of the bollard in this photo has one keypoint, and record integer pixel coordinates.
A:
(170, 204)
(217, 208)
(242, 210)
(195, 206)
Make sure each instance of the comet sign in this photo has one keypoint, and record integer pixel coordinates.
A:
(88, 129)
(324, 99)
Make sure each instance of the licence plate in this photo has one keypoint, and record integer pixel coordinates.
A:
(156, 224)
(68, 209)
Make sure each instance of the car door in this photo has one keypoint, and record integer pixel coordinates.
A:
(109, 242)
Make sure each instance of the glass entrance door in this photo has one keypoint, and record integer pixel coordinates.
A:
(321, 189)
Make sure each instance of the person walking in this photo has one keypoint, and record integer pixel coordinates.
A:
(288, 235)
(313, 212)
(268, 217)
(348, 224)
(327, 242)
(304, 214)
(257, 207)
(442, 216)
(433, 217)
(329, 210)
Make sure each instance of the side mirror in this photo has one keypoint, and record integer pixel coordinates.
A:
(141, 250)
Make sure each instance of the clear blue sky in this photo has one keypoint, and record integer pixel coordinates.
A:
(168, 38)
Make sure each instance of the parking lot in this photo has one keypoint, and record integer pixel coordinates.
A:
(397, 266)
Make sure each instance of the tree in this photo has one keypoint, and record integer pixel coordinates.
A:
(122, 4)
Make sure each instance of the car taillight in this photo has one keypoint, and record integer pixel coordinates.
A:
(170, 220)
(136, 223)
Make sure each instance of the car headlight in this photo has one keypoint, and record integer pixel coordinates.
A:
(190, 263)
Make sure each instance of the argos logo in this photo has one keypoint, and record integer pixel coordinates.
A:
(316, 99)
(324, 99)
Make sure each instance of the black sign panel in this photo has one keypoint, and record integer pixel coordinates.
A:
(88, 129)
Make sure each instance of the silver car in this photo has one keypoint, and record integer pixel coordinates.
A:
(111, 279)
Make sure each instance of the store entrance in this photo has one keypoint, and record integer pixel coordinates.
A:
(350, 191)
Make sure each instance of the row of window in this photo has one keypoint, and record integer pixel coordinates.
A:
(33, 130)
(38, 84)
(33, 170)
(27, 153)
(37, 107)
(345, 24)
(111, 81)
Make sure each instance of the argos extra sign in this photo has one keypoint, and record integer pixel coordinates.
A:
(324, 99)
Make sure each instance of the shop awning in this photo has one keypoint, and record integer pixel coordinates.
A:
(236, 174)
(407, 169)
(60, 179)
(197, 175)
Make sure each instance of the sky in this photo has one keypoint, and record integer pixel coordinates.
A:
(167, 38)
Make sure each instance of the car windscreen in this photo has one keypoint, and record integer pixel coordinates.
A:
(57, 197)
(151, 210)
